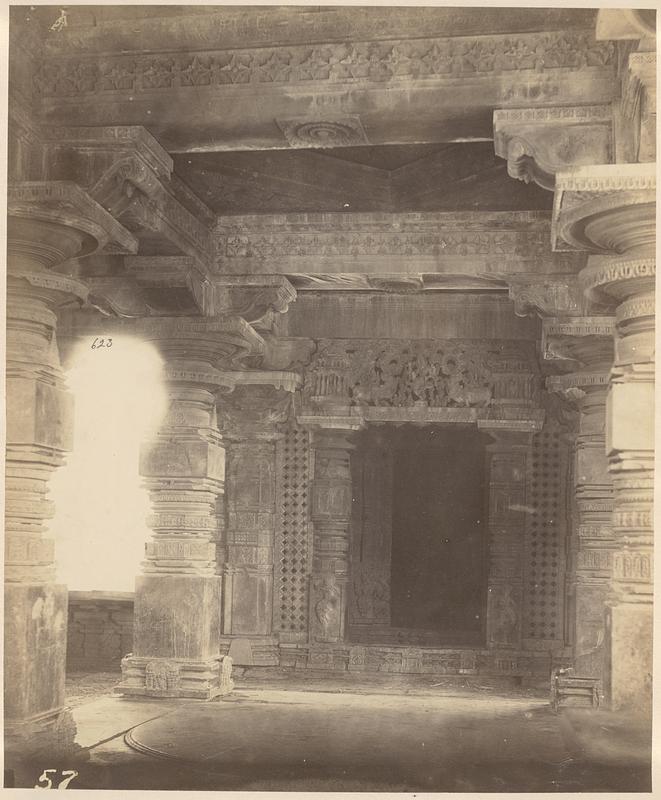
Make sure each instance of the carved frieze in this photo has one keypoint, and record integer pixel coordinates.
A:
(420, 373)
(375, 62)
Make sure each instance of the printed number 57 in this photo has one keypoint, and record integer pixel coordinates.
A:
(46, 783)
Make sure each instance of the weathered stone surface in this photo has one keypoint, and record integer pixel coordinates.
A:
(35, 650)
(628, 666)
(99, 630)
(177, 616)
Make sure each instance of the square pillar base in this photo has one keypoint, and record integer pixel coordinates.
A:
(35, 651)
(628, 658)
(163, 677)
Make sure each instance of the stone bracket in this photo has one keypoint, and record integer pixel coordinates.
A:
(584, 340)
(539, 142)
(130, 175)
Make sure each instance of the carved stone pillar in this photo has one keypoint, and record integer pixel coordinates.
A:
(589, 343)
(331, 517)
(507, 462)
(48, 225)
(630, 449)
(611, 210)
(178, 598)
(250, 419)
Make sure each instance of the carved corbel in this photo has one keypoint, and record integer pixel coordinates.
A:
(583, 340)
(256, 298)
(547, 297)
(539, 142)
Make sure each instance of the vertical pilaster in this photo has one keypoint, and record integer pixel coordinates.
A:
(507, 462)
(331, 517)
(251, 417)
(591, 553)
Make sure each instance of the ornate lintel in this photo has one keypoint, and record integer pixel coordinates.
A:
(539, 142)
(425, 376)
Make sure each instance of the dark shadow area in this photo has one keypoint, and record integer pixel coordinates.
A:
(437, 569)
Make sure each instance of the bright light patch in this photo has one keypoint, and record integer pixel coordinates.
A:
(100, 525)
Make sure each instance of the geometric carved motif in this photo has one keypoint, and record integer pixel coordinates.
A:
(293, 533)
(546, 535)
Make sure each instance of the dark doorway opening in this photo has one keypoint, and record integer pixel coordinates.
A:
(438, 575)
(419, 536)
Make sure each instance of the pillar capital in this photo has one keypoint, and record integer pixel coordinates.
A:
(127, 172)
(606, 209)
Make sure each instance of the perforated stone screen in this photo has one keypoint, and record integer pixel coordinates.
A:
(293, 542)
(546, 535)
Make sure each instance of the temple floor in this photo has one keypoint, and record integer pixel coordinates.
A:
(373, 733)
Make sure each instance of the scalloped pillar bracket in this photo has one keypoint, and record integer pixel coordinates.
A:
(127, 171)
(49, 224)
(539, 142)
(610, 212)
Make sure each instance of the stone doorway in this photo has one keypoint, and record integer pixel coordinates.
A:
(419, 564)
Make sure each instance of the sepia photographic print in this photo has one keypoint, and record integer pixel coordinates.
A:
(330, 398)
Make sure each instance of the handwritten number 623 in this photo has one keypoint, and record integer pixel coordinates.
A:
(46, 783)
(100, 342)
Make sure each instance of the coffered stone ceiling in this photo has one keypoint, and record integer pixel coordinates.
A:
(328, 148)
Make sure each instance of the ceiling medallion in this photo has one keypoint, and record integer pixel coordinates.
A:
(345, 131)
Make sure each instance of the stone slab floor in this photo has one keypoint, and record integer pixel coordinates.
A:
(370, 733)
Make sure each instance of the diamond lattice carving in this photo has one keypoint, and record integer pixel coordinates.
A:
(546, 534)
(294, 531)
